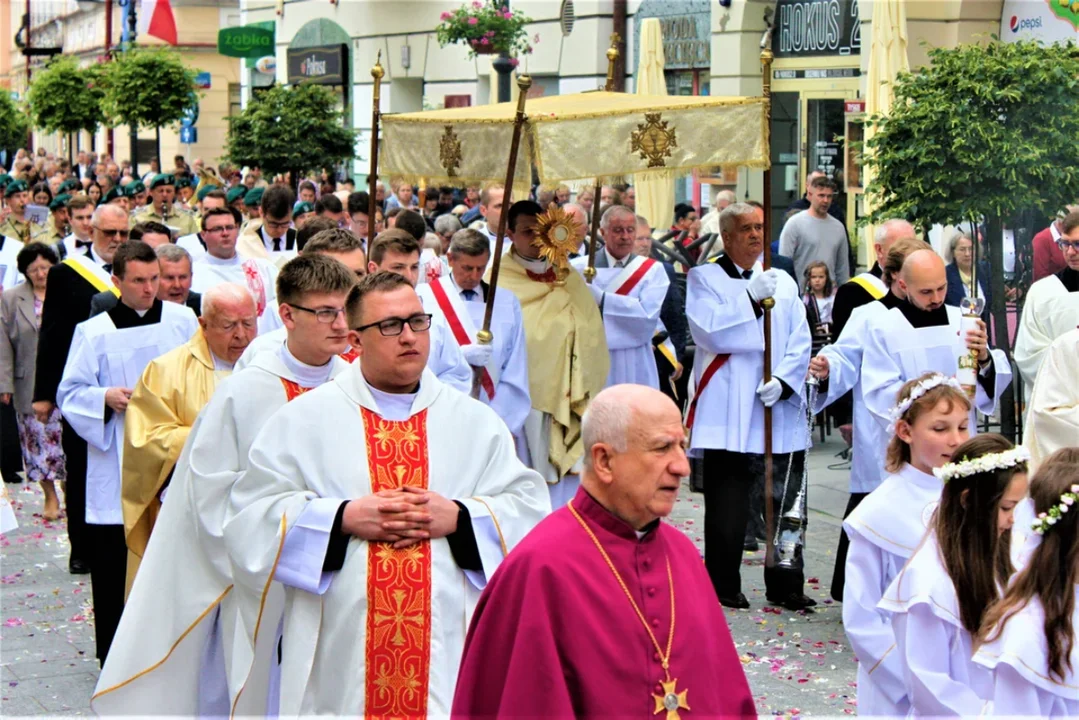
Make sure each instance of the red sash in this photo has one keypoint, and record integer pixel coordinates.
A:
(632, 280)
(459, 331)
(713, 367)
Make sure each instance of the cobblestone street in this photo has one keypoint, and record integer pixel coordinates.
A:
(797, 663)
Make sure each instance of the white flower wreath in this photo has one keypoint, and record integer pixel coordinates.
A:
(1046, 520)
(983, 464)
(916, 392)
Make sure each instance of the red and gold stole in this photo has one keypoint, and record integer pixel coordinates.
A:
(397, 656)
(293, 390)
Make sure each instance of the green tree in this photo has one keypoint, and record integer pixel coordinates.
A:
(147, 88)
(66, 98)
(14, 124)
(290, 129)
(985, 133)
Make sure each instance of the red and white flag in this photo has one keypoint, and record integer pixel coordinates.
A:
(156, 18)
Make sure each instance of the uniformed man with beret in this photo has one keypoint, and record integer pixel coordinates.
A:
(17, 225)
(185, 191)
(137, 197)
(235, 198)
(115, 196)
(58, 226)
(253, 203)
(161, 209)
(301, 213)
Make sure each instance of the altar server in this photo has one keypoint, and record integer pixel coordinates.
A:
(1053, 411)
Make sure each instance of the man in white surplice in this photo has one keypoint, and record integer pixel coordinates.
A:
(424, 500)
(191, 656)
(923, 334)
(108, 354)
(461, 298)
(629, 290)
(1053, 421)
(222, 263)
(1052, 306)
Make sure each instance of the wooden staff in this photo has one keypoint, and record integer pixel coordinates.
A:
(484, 336)
(372, 179)
(590, 271)
(767, 304)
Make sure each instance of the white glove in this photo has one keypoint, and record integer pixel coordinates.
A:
(763, 285)
(770, 391)
(477, 354)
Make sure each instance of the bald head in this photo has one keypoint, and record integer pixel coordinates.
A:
(923, 279)
(888, 233)
(634, 453)
(225, 298)
(229, 320)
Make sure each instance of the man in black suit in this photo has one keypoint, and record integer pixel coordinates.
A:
(175, 283)
(70, 287)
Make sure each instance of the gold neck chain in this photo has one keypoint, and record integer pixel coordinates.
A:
(671, 700)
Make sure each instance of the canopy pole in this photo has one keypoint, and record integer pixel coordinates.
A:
(484, 336)
(372, 177)
(590, 271)
(768, 303)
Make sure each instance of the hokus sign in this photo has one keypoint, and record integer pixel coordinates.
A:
(805, 28)
(321, 64)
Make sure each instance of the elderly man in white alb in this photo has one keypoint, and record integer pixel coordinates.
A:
(461, 297)
(427, 496)
(221, 263)
(629, 291)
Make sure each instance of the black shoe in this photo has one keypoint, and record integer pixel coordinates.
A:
(795, 602)
(751, 545)
(738, 602)
(78, 567)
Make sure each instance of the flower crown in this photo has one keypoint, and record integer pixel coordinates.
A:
(1046, 520)
(985, 463)
(916, 392)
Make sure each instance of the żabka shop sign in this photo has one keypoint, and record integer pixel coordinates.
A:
(247, 41)
(322, 65)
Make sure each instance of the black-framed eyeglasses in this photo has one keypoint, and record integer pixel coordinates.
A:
(1066, 245)
(392, 327)
(221, 229)
(113, 233)
(323, 315)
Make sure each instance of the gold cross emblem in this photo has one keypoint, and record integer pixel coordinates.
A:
(654, 140)
(671, 700)
(449, 151)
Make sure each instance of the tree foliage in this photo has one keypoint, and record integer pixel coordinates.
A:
(66, 98)
(14, 124)
(147, 88)
(290, 129)
(983, 130)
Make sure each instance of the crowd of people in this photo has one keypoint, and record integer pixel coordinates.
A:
(294, 444)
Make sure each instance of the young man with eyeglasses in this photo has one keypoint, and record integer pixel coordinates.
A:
(185, 570)
(222, 263)
(418, 506)
(274, 236)
(1052, 305)
(71, 287)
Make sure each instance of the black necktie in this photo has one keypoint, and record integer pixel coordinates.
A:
(79, 244)
(277, 244)
(107, 267)
(468, 294)
(747, 274)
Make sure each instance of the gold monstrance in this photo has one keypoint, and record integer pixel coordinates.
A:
(557, 235)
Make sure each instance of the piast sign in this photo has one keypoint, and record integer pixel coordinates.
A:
(322, 65)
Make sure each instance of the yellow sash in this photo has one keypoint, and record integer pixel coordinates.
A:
(91, 278)
(874, 292)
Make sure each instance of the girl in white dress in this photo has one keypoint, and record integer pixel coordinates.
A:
(940, 597)
(929, 422)
(1030, 635)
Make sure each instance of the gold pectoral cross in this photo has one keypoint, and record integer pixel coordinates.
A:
(671, 700)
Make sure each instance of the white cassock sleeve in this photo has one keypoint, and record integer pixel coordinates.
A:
(631, 321)
(1015, 696)
(881, 375)
(448, 363)
(924, 644)
(513, 400)
(304, 551)
(1054, 404)
(844, 365)
(1032, 340)
(721, 323)
(1002, 370)
(79, 396)
(794, 363)
(869, 630)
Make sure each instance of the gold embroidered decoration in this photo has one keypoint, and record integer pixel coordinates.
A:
(557, 235)
(449, 151)
(653, 140)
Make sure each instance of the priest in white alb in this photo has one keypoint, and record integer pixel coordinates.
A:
(461, 298)
(183, 648)
(108, 355)
(629, 291)
(1053, 419)
(383, 543)
(222, 263)
(1052, 305)
(922, 334)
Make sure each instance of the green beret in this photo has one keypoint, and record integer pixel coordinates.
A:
(302, 207)
(253, 197)
(235, 194)
(162, 179)
(113, 194)
(204, 191)
(69, 184)
(17, 186)
(60, 201)
(183, 181)
(133, 188)
(4, 180)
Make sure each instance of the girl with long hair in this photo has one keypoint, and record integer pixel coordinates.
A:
(1028, 638)
(819, 297)
(929, 423)
(941, 596)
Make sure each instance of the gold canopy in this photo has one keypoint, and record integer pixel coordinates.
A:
(575, 137)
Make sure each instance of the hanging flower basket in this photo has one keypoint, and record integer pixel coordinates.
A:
(487, 28)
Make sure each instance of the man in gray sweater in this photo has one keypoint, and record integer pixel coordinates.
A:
(813, 235)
